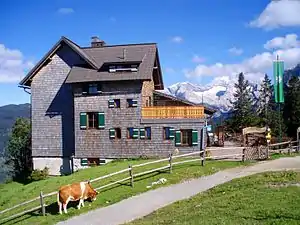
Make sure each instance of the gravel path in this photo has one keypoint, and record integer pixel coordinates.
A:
(145, 203)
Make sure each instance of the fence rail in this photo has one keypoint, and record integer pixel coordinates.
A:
(289, 146)
(201, 158)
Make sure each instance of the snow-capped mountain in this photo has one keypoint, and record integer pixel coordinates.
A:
(220, 92)
(217, 95)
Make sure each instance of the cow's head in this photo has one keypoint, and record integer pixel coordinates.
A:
(91, 192)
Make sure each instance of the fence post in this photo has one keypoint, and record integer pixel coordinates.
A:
(131, 175)
(268, 147)
(243, 157)
(170, 162)
(290, 147)
(42, 203)
(202, 156)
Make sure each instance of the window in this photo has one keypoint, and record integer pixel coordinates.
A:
(187, 137)
(131, 103)
(114, 103)
(123, 67)
(168, 133)
(92, 120)
(115, 133)
(132, 133)
(89, 161)
(91, 89)
(148, 132)
(145, 133)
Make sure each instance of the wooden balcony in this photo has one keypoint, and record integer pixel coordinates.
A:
(173, 112)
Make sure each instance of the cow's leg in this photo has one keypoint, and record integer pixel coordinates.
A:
(60, 207)
(59, 204)
(66, 204)
(79, 204)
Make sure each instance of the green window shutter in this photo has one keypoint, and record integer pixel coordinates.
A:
(83, 120)
(84, 162)
(111, 103)
(135, 133)
(142, 133)
(101, 120)
(172, 133)
(177, 138)
(112, 133)
(134, 103)
(194, 137)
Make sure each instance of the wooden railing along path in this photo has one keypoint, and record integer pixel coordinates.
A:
(42, 196)
(288, 146)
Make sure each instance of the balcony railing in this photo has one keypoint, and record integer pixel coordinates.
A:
(175, 112)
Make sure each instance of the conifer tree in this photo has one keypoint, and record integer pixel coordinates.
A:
(265, 103)
(292, 106)
(243, 113)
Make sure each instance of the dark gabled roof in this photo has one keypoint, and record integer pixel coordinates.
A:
(26, 80)
(79, 74)
(107, 54)
(207, 110)
(96, 57)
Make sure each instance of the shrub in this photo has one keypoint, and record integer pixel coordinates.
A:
(37, 174)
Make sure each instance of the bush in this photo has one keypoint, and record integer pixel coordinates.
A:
(37, 174)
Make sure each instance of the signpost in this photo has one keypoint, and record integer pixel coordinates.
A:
(278, 70)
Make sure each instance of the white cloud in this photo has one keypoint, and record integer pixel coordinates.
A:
(197, 59)
(254, 67)
(235, 51)
(65, 10)
(12, 65)
(177, 39)
(289, 41)
(283, 13)
(170, 70)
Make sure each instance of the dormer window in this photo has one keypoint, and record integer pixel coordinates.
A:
(123, 67)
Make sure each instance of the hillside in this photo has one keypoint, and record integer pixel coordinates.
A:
(8, 115)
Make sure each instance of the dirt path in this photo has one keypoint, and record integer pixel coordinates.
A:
(144, 204)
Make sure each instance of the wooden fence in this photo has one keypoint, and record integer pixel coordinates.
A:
(129, 170)
(287, 146)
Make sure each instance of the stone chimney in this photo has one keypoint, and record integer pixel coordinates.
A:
(97, 43)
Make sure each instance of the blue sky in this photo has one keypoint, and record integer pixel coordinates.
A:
(199, 41)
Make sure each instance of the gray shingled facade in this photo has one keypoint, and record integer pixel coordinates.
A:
(96, 142)
(56, 133)
(52, 109)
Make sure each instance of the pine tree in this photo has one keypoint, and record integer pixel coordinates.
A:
(292, 106)
(243, 114)
(265, 103)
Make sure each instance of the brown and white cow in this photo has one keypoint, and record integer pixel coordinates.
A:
(74, 192)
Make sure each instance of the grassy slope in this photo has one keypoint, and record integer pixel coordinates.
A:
(247, 200)
(14, 193)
